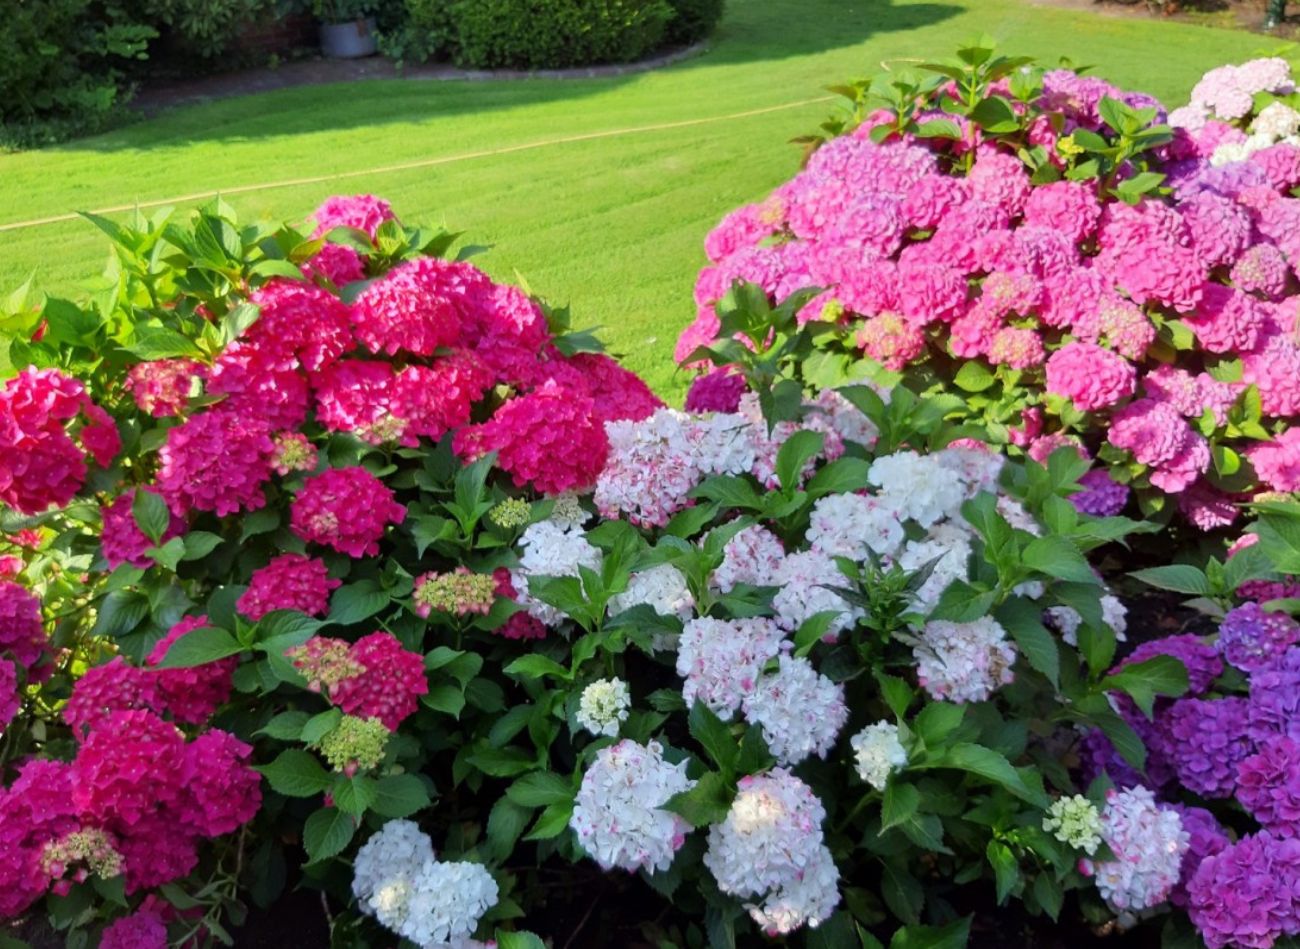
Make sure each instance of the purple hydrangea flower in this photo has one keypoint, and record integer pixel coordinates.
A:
(1101, 496)
(1201, 659)
(1248, 894)
(1205, 739)
(1251, 638)
(1274, 707)
(716, 391)
(1268, 785)
(1205, 838)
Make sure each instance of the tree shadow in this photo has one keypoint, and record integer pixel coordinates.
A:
(753, 31)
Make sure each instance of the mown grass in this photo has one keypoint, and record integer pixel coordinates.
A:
(613, 225)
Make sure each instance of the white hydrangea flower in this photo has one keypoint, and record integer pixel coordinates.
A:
(1066, 619)
(919, 487)
(1191, 117)
(802, 595)
(770, 847)
(663, 588)
(1015, 514)
(447, 903)
(1277, 120)
(800, 711)
(845, 417)
(722, 443)
(878, 753)
(1148, 842)
(849, 525)
(753, 556)
(766, 447)
(604, 706)
(550, 550)
(950, 544)
(721, 659)
(1075, 820)
(964, 662)
(618, 814)
(1115, 615)
(650, 469)
(398, 880)
(1229, 153)
(978, 468)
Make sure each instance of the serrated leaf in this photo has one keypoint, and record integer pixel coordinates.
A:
(540, 789)
(200, 646)
(326, 833)
(295, 773)
(399, 795)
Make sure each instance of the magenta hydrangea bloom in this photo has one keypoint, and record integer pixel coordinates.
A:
(288, 582)
(346, 509)
(616, 393)
(1204, 740)
(1245, 895)
(337, 263)
(257, 389)
(223, 792)
(102, 691)
(718, 390)
(1252, 639)
(1262, 268)
(355, 395)
(300, 326)
(407, 310)
(122, 540)
(388, 687)
(1278, 462)
(143, 929)
(128, 768)
(433, 400)
(193, 693)
(215, 462)
(35, 810)
(549, 438)
(363, 212)
(1227, 320)
(22, 634)
(1205, 838)
(162, 388)
(1268, 785)
(10, 700)
(890, 340)
(1089, 376)
(1101, 496)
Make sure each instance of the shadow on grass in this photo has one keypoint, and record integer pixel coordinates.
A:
(753, 31)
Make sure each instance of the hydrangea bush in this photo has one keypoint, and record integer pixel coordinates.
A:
(1076, 266)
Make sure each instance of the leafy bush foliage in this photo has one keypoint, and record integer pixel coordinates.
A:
(203, 27)
(1045, 246)
(693, 20)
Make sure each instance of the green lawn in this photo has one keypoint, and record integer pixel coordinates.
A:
(613, 225)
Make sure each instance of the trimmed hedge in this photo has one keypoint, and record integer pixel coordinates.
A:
(540, 34)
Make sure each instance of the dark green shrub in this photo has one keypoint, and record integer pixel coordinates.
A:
(59, 64)
(693, 20)
(539, 34)
(424, 30)
(203, 27)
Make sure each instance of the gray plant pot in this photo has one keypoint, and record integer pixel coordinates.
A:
(348, 40)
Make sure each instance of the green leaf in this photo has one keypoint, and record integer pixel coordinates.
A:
(199, 646)
(794, 453)
(955, 935)
(198, 544)
(540, 789)
(446, 698)
(520, 940)
(974, 376)
(1143, 681)
(715, 735)
(900, 803)
(535, 666)
(157, 342)
(551, 822)
(995, 115)
(399, 795)
(993, 767)
(326, 833)
(1178, 578)
(1057, 557)
(357, 601)
(896, 692)
(937, 721)
(354, 795)
(119, 613)
(295, 773)
(842, 476)
(170, 554)
(706, 803)
(286, 726)
(505, 826)
(1023, 620)
(1006, 870)
(320, 725)
(151, 514)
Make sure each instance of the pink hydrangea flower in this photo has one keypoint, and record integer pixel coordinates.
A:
(1089, 376)
(890, 340)
(10, 700)
(355, 395)
(1071, 206)
(390, 684)
(143, 929)
(716, 391)
(129, 768)
(363, 212)
(22, 634)
(435, 399)
(407, 310)
(257, 389)
(337, 263)
(194, 693)
(1227, 320)
(215, 462)
(102, 691)
(122, 540)
(1017, 348)
(549, 438)
(346, 509)
(222, 792)
(288, 582)
(300, 326)
(36, 809)
(1278, 462)
(162, 388)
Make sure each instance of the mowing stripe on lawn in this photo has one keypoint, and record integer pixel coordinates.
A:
(421, 163)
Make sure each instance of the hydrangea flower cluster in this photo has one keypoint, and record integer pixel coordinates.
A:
(1148, 843)
(604, 706)
(964, 662)
(374, 677)
(878, 753)
(933, 253)
(399, 881)
(770, 849)
(618, 815)
(289, 582)
(1074, 820)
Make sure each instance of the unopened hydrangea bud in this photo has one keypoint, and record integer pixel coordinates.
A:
(879, 753)
(568, 512)
(293, 453)
(91, 846)
(1067, 147)
(1075, 821)
(457, 593)
(324, 662)
(604, 706)
(387, 429)
(511, 513)
(354, 744)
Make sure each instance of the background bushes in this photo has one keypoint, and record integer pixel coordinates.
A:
(693, 20)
